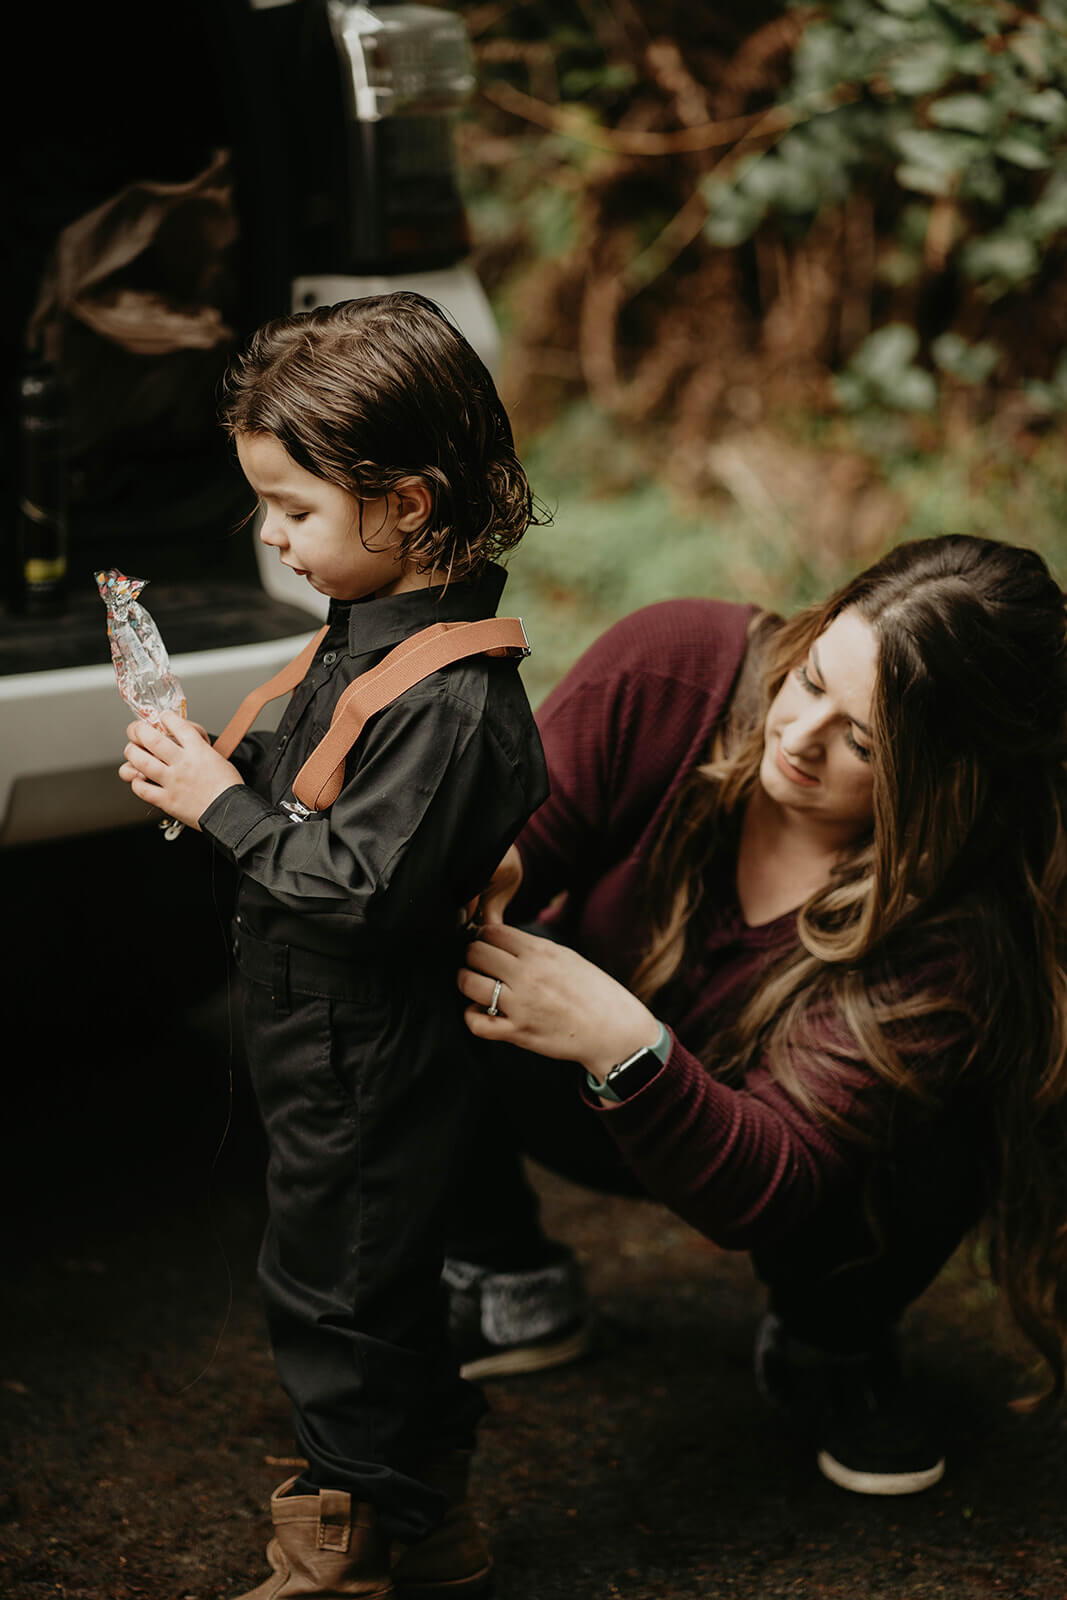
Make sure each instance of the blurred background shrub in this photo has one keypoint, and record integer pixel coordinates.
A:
(780, 286)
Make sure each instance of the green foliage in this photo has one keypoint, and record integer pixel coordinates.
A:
(953, 101)
(970, 363)
(1051, 398)
(883, 372)
(960, 102)
(889, 234)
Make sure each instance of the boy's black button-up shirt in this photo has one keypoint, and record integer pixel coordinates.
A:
(435, 790)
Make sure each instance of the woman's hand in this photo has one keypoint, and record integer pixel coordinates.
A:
(175, 768)
(551, 1000)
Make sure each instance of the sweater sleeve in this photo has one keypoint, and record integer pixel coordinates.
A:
(742, 1166)
(746, 1166)
(634, 714)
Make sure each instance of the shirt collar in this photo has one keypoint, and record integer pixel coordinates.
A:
(379, 624)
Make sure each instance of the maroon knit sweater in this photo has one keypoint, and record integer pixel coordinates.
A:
(621, 732)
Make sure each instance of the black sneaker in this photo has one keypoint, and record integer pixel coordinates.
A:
(503, 1323)
(863, 1417)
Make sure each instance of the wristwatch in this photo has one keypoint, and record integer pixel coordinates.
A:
(627, 1077)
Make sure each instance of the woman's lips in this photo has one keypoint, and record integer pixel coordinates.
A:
(794, 774)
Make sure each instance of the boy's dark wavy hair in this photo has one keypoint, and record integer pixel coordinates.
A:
(371, 391)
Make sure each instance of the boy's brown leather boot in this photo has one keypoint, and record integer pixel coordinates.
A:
(454, 1559)
(324, 1548)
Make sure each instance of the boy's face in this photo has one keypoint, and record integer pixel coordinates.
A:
(344, 547)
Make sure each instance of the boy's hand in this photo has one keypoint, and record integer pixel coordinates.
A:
(175, 768)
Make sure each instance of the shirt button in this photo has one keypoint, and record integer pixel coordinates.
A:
(329, 658)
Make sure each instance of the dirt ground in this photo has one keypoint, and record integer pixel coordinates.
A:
(144, 1430)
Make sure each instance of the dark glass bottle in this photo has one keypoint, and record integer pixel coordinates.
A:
(41, 577)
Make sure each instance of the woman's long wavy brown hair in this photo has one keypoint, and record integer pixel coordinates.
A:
(368, 392)
(965, 867)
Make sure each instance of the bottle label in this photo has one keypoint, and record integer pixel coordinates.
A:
(38, 569)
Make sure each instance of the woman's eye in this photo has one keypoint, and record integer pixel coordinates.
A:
(806, 682)
(295, 516)
(855, 746)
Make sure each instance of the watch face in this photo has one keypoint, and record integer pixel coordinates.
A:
(631, 1076)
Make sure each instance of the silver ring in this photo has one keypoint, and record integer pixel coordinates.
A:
(492, 1009)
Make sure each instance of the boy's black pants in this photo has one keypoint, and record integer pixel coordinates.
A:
(364, 1082)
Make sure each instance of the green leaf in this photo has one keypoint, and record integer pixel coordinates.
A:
(920, 69)
(974, 60)
(899, 267)
(1007, 257)
(1049, 213)
(1050, 397)
(886, 352)
(822, 59)
(905, 8)
(765, 182)
(914, 390)
(974, 113)
(850, 393)
(912, 226)
(732, 216)
(1022, 153)
(1043, 398)
(882, 372)
(1031, 47)
(983, 181)
(970, 363)
(924, 180)
(1048, 105)
(944, 152)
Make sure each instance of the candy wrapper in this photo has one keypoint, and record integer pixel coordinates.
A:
(142, 665)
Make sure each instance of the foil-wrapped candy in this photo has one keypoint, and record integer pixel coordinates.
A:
(142, 665)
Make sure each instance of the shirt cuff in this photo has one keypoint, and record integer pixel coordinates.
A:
(230, 818)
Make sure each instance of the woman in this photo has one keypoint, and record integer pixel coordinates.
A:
(812, 965)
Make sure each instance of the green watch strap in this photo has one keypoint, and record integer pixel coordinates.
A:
(606, 1090)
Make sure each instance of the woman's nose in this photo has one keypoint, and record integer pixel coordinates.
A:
(806, 732)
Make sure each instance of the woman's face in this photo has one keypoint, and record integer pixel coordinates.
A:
(817, 738)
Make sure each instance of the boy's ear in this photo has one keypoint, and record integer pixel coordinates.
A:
(414, 504)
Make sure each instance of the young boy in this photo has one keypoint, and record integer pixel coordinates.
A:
(386, 475)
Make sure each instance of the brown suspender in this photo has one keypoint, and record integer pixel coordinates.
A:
(253, 703)
(319, 781)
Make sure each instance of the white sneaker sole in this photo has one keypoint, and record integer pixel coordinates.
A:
(878, 1482)
(530, 1358)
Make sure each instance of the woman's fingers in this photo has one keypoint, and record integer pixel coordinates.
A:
(498, 944)
(550, 1000)
(482, 990)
